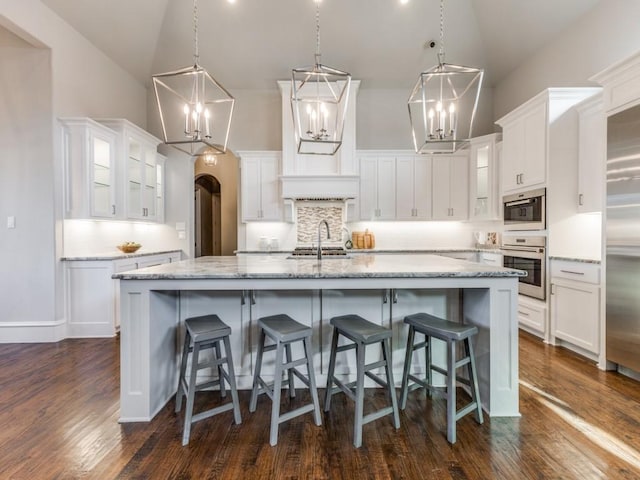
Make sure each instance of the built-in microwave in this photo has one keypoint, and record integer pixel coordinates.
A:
(526, 210)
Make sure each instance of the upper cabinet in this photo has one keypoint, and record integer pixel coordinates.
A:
(413, 187)
(524, 147)
(592, 153)
(378, 187)
(484, 195)
(138, 150)
(90, 169)
(112, 171)
(526, 134)
(450, 187)
(260, 186)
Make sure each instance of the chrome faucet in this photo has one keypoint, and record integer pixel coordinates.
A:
(326, 224)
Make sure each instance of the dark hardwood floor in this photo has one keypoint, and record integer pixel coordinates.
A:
(59, 412)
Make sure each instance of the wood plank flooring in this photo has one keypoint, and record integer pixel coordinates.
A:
(59, 411)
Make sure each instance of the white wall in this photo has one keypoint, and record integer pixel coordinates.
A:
(65, 76)
(26, 188)
(607, 34)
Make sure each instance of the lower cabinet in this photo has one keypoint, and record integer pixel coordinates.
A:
(93, 297)
(532, 316)
(575, 305)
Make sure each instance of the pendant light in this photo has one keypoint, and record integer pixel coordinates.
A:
(443, 103)
(195, 110)
(319, 99)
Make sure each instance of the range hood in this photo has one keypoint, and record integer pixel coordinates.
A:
(313, 187)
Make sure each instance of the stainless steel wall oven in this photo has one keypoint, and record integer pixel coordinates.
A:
(527, 253)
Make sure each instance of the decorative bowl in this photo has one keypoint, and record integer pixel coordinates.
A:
(129, 247)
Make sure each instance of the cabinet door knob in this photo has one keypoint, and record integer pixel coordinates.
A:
(581, 199)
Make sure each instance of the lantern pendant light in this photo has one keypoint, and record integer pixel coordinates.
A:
(195, 110)
(319, 99)
(443, 104)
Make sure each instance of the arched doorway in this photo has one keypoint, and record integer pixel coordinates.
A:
(207, 212)
(216, 205)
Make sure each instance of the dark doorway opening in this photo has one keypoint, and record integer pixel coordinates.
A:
(208, 238)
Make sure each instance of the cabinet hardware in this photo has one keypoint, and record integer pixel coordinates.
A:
(553, 289)
(252, 297)
(580, 199)
(394, 295)
(113, 209)
(242, 294)
(524, 314)
(385, 297)
(572, 272)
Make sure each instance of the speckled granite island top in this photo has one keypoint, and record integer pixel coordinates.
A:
(359, 266)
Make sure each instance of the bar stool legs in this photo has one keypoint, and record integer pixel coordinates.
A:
(284, 331)
(204, 333)
(451, 333)
(361, 333)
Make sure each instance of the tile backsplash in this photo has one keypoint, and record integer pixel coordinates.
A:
(309, 214)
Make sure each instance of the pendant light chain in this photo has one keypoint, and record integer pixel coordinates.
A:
(196, 54)
(441, 51)
(317, 32)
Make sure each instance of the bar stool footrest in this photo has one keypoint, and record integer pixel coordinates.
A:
(383, 412)
(296, 413)
(210, 413)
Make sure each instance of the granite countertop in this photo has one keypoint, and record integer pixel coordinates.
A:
(386, 250)
(117, 255)
(573, 259)
(358, 266)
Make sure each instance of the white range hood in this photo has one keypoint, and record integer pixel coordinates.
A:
(319, 176)
(299, 187)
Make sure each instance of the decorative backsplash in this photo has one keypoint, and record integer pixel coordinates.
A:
(309, 214)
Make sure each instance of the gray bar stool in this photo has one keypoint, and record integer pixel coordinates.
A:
(362, 333)
(202, 333)
(284, 331)
(450, 332)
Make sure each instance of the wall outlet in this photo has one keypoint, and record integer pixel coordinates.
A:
(11, 222)
(182, 234)
(181, 226)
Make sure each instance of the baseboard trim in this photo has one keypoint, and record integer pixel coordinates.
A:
(33, 332)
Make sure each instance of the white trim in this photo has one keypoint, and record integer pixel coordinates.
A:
(33, 332)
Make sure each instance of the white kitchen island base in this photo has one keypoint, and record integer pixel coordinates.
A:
(155, 302)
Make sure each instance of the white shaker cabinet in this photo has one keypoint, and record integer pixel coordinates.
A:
(450, 187)
(91, 171)
(413, 187)
(378, 187)
(137, 150)
(592, 154)
(575, 304)
(484, 192)
(524, 148)
(260, 186)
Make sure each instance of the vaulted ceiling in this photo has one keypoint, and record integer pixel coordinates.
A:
(249, 44)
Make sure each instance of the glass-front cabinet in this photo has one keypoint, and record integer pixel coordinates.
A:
(89, 153)
(483, 182)
(139, 151)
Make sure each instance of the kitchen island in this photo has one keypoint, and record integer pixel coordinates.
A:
(382, 288)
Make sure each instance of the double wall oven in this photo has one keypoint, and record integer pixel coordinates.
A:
(524, 243)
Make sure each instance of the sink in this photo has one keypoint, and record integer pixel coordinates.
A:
(311, 253)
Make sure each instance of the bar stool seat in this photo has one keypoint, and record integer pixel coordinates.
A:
(450, 332)
(203, 333)
(284, 330)
(362, 333)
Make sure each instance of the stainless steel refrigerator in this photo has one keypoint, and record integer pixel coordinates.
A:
(623, 238)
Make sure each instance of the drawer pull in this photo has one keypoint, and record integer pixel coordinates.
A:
(572, 272)
(525, 314)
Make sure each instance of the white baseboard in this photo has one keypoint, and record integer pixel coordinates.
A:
(33, 332)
